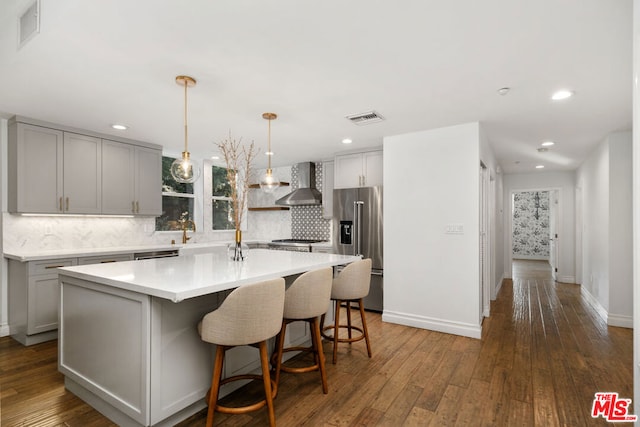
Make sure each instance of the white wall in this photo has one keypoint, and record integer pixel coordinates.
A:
(636, 204)
(487, 156)
(565, 183)
(592, 177)
(431, 180)
(620, 226)
(605, 178)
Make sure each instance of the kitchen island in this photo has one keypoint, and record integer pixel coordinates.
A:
(128, 343)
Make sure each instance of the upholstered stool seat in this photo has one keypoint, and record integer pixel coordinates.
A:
(250, 315)
(306, 299)
(350, 286)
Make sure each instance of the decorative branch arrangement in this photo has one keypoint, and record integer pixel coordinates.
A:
(238, 159)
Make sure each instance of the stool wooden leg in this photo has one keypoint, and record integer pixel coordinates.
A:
(264, 360)
(335, 331)
(279, 351)
(349, 318)
(317, 343)
(215, 383)
(364, 327)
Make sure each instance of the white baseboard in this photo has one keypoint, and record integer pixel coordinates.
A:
(620, 321)
(531, 257)
(497, 288)
(593, 302)
(566, 279)
(4, 330)
(440, 325)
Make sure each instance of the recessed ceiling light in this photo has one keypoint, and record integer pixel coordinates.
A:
(561, 94)
(504, 90)
(269, 153)
(547, 143)
(119, 126)
(540, 167)
(215, 157)
(347, 141)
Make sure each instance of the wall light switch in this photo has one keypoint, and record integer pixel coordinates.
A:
(454, 229)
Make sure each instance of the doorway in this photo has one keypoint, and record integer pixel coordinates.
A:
(534, 226)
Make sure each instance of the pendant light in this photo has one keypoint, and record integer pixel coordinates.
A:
(269, 181)
(184, 170)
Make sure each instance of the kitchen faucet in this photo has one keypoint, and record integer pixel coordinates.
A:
(184, 224)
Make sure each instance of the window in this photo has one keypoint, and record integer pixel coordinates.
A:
(222, 207)
(177, 198)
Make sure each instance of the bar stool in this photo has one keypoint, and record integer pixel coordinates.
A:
(306, 299)
(250, 315)
(351, 285)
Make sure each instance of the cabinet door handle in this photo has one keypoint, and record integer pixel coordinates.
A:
(53, 266)
(67, 204)
(107, 261)
(137, 207)
(61, 210)
(133, 207)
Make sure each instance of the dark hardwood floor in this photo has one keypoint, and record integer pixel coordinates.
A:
(543, 354)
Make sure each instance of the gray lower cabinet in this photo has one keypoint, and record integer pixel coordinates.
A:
(34, 299)
(34, 295)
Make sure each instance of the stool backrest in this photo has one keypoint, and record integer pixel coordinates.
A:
(250, 314)
(353, 281)
(309, 295)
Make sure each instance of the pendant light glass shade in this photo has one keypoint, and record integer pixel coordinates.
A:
(269, 181)
(184, 170)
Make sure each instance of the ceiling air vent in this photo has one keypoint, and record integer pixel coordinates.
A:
(29, 23)
(365, 118)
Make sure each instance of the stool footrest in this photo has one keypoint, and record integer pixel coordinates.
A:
(353, 339)
(248, 408)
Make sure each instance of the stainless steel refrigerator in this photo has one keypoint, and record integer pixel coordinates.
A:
(357, 225)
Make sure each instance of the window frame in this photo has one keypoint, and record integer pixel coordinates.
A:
(192, 195)
(215, 198)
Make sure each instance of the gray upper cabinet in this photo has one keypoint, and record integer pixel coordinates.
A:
(148, 181)
(53, 170)
(131, 179)
(82, 172)
(117, 178)
(35, 169)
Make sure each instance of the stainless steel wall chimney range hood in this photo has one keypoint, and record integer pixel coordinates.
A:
(306, 194)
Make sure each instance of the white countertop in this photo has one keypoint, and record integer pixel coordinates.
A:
(81, 252)
(189, 276)
(188, 249)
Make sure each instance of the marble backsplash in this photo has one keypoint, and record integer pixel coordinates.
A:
(44, 233)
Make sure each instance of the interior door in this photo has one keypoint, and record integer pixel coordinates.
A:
(485, 263)
(553, 233)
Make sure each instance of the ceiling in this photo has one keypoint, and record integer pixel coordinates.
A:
(421, 64)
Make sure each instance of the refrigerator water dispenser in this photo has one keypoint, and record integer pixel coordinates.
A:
(346, 229)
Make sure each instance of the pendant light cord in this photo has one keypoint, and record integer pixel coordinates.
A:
(269, 143)
(186, 143)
